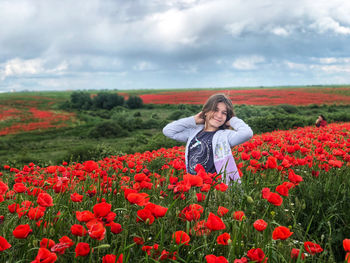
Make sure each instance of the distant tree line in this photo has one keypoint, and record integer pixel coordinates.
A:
(103, 100)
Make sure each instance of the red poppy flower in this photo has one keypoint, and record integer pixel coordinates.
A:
(294, 178)
(214, 222)
(256, 155)
(275, 199)
(97, 231)
(60, 248)
(223, 239)
(19, 188)
(110, 258)
(282, 190)
(200, 197)
(271, 162)
(115, 227)
(76, 197)
(281, 232)
(221, 187)
(44, 255)
(265, 192)
(156, 210)
(241, 260)
(101, 209)
(193, 180)
(4, 244)
(90, 166)
(22, 231)
(82, 249)
(84, 216)
(312, 248)
(347, 257)
(145, 215)
(45, 200)
(66, 240)
(140, 199)
(12, 208)
(295, 253)
(222, 211)
(238, 215)
(3, 187)
(205, 188)
(260, 225)
(139, 240)
(181, 237)
(35, 213)
(257, 255)
(215, 259)
(191, 212)
(346, 245)
(47, 243)
(78, 230)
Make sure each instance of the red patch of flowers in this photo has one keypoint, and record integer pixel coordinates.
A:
(294, 96)
(120, 206)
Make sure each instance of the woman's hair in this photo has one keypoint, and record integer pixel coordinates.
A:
(323, 118)
(212, 103)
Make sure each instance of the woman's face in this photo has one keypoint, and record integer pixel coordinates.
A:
(215, 119)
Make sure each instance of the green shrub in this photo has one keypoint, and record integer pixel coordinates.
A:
(175, 115)
(90, 152)
(158, 141)
(152, 124)
(81, 100)
(289, 108)
(107, 129)
(127, 121)
(105, 100)
(137, 114)
(134, 102)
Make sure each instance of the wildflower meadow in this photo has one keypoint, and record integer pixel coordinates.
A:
(292, 205)
(254, 96)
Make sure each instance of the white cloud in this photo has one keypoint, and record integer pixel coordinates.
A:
(326, 24)
(296, 66)
(332, 60)
(247, 63)
(144, 66)
(17, 67)
(335, 68)
(279, 31)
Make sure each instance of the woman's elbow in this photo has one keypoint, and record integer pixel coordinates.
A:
(166, 131)
(250, 134)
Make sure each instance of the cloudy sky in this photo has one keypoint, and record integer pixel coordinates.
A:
(147, 44)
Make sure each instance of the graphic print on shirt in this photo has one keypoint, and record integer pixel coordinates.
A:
(200, 152)
(222, 150)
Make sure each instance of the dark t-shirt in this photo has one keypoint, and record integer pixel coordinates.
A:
(200, 151)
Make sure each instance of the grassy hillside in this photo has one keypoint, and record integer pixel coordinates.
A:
(51, 132)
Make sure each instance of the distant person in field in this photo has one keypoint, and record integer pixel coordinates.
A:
(321, 121)
(209, 136)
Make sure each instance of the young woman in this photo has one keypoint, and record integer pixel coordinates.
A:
(321, 121)
(210, 134)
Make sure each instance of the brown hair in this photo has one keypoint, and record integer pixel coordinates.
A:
(211, 105)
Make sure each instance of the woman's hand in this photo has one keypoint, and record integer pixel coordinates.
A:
(198, 118)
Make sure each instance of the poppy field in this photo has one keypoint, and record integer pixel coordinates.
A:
(293, 96)
(31, 113)
(292, 205)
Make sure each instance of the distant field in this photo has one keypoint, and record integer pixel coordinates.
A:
(31, 111)
(20, 113)
(257, 96)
